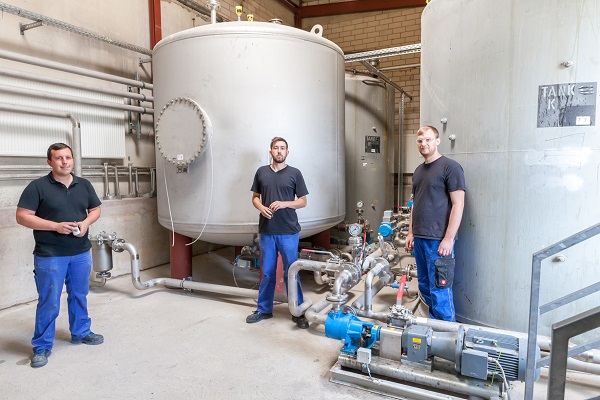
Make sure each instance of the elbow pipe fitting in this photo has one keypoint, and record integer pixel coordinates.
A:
(381, 270)
(313, 314)
(315, 266)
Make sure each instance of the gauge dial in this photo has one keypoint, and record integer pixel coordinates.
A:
(355, 229)
(359, 204)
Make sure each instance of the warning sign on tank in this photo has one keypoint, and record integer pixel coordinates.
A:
(372, 144)
(567, 104)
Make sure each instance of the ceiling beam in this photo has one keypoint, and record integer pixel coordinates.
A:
(356, 6)
(288, 6)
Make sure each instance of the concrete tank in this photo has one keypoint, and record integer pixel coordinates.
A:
(517, 82)
(222, 92)
(369, 149)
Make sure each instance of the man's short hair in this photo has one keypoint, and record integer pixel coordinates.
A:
(57, 146)
(278, 139)
(425, 128)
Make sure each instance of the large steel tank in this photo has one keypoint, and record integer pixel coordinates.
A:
(222, 92)
(517, 82)
(369, 147)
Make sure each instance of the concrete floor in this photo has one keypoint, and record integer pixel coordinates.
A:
(172, 344)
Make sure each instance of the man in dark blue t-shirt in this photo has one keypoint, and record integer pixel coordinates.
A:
(439, 197)
(60, 207)
(278, 191)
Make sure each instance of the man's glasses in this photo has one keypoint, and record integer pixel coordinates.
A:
(426, 140)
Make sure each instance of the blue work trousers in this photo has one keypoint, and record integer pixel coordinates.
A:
(50, 275)
(270, 245)
(440, 301)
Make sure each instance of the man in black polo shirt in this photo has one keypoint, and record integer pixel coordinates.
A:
(60, 207)
(278, 191)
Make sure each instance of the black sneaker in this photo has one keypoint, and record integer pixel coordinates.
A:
(40, 358)
(91, 339)
(257, 316)
(301, 321)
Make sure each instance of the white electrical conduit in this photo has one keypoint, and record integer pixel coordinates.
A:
(75, 85)
(71, 69)
(175, 283)
(73, 99)
(76, 143)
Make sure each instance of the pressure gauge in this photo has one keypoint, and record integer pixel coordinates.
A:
(359, 204)
(355, 229)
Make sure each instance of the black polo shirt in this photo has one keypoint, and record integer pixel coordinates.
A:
(53, 201)
(283, 185)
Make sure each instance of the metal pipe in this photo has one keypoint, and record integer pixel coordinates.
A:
(117, 188)
(73, 99)
(175, 283)
(75, 85)
(381, 270)
(295, 308)
(214, 5)
(76, 131)
(8, 55)
(400, 153)
(376, 287)
(321, 278)
(70, 28)
(197, 7)
(440, 381)
(313, 314)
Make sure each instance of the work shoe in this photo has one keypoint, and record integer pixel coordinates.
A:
(301, 321)
(257, 316)
(91, 339)
(40, 358)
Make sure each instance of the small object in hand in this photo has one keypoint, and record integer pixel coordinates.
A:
(76, 231)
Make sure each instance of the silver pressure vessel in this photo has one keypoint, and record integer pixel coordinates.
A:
(222, 92)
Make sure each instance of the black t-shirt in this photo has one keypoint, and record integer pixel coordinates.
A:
(283, 185)
(53, 201)
(432, 184)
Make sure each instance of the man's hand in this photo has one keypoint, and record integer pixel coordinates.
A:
(278, 205)
(266, 212)
(66, 228)
(445, 248)
(410, 242)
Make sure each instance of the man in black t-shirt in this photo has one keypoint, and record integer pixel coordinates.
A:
(278, 191)
(439, 197)
(60, 207)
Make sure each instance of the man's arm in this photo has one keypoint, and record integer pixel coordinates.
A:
(265, 211)
(410, 240)
(457, 198)
(28, 219)
(300, 202)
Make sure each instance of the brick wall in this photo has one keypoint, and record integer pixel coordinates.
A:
(379, 30)
(263, 10)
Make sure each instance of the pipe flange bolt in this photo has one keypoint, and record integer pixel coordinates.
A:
(337, 298)
(182, 131)
(116, 245)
